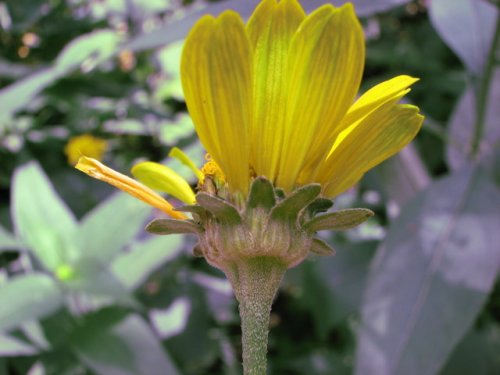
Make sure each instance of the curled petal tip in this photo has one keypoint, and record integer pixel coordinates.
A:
(97, 170)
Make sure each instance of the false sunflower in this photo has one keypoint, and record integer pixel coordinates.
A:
(276, 97)
(274, 104)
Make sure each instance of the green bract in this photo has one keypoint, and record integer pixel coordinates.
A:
(268, 224)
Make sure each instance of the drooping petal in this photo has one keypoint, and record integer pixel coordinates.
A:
(101, 172)
(377, 137)
(217, 78)
(270, 30)
(162, 178)
(325, 66)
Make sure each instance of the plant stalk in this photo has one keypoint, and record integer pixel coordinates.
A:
(256, 282)
(482, 92)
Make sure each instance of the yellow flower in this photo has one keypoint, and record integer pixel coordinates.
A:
(85, 144)
(277, 98)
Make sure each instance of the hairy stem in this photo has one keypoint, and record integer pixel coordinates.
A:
(255, 282)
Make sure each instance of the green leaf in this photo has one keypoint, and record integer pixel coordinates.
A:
(172, 85)
(332, 287)
(21, 93)
(26, 298)
(97, 46)
(92, 49)
(433, 274)
(41, 219)
(33, 332)
(339, 220)
(477, 353)
(128, 347)
(172, 226)
(107, 229)
(181, 127)
(11, 346)
(261, 194)
(93, 278)
(402, 176)
(288, 209)
(190, 343)
(221, 209)
(135, 266)
(8, 241)
(319, 361)
(462, 122)
(467, 26)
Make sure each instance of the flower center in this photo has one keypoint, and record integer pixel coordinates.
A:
(212, 169)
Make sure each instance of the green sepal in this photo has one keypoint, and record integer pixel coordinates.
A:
(172, 226)
(317, 206)
(261, 194)
(320, 247)
(339, 220)
(288, 209)
(222, 210)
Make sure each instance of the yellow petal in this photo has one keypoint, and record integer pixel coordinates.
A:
(216, 78)
(101, 172)
(325, 67)
(389, 91)
(377, 95)
(162, 178)
(377, 137)
(270, 30)
(177, 153)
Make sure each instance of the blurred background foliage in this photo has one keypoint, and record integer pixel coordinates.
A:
(84, 290)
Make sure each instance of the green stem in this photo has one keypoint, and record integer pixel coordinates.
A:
(482, 91)
(255, 282)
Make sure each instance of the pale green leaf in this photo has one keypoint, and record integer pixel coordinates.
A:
(26, 298)
(41, 218)
(108, 228)
(432, 277)
(128, 347)
(134, 267)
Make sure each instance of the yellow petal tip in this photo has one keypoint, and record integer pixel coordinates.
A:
(96, 169)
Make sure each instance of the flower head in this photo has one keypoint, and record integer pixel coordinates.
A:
(275, 100)
(85, 144)
(274, 104)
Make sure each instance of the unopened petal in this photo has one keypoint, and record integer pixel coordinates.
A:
(162, 178)
(270, 30)
(377, 137)
(101, 172)
(216, 78)
(325, 66)
(177, 153)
